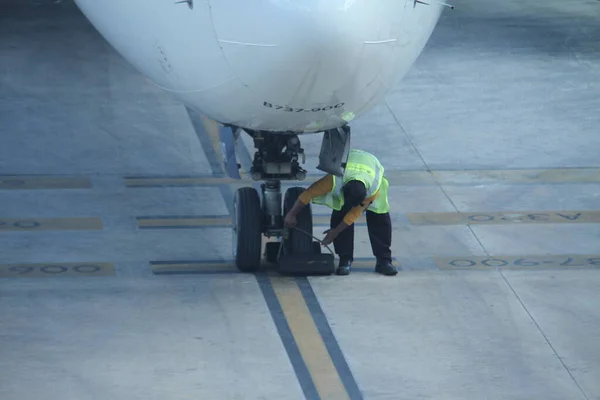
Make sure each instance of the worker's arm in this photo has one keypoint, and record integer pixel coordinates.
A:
(355, 212)
(318, 188)
(350, 217)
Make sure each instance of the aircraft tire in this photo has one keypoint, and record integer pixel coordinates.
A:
(298, 242)
(247, 229)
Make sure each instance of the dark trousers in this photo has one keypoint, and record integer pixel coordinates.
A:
(380, 235)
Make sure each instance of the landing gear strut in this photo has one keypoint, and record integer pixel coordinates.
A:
(276, 159)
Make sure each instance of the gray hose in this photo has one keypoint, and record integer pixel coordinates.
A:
(318, 240)
(285, 235)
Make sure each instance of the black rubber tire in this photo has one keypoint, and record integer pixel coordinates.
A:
(271, 251)
(247, 239)
(297, 242)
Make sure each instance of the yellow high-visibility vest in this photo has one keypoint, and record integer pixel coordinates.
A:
(366, 168)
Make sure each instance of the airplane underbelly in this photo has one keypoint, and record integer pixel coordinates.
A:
(309, 65)
(301, 65)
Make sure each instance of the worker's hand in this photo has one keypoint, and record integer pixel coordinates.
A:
(289, 221)
(330, 235)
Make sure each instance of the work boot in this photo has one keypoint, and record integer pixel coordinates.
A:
(344, 267)
(385, 268)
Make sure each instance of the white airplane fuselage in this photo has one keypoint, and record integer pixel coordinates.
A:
(271, 65)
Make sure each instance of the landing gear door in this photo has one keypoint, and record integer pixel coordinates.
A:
(335, 148)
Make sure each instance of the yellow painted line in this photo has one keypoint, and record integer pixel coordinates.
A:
(43, 182)
(51, 270)
(559, 175)
(133, 182)
(191, 181)
(409, 177)
(49, 224)
(212, 128)
(310, 343)
(506, 217)
(478, 177)
(519, 262)
(174, 222)
(191, 267)
(396, 177)
(228, 266)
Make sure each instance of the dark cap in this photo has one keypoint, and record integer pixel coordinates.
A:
(354, 192)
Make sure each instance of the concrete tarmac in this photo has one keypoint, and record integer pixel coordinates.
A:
(110, 204)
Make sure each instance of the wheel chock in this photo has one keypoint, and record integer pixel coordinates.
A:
(307, 264)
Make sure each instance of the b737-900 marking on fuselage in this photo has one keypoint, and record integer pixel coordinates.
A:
(291, 109)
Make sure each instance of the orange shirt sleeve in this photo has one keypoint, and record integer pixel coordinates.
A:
(318, 188)
(324, 186)
(356, 212)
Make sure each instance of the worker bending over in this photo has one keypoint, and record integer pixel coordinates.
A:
(363, 187)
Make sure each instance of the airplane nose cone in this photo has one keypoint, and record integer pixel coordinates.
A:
(308, 53)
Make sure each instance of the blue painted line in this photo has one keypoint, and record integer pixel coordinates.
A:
(245, 157)
(226, 137)
(339, 361)
(300, 368)
(212, 157)
(306, 383)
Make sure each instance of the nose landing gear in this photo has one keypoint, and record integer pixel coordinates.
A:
(257, 214)
(251, 220)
